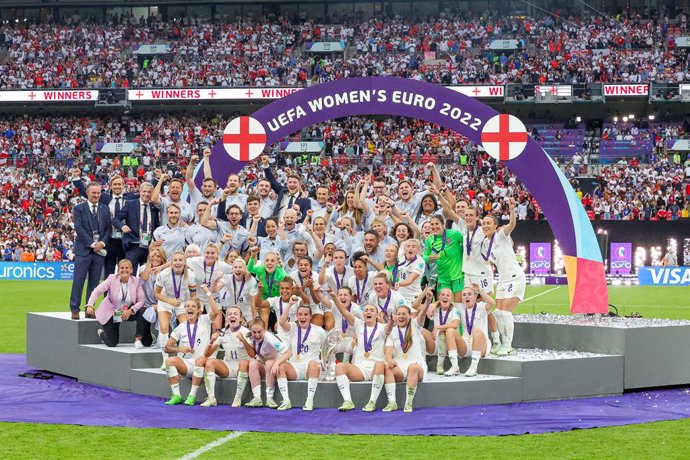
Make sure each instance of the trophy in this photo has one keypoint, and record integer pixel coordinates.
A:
(328, 347)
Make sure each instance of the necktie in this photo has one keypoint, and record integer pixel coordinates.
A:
(117, 205)
(93, 210)
(145, 221)
(291, 201)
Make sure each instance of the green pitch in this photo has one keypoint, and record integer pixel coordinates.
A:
(663, 439)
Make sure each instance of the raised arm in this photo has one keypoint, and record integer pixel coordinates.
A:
(421, 315)
(156, 194)
(269, 175)
(206, 221)
(189, 174)
(349, 317)
(283, 320)
(508, 228)
(207, 164)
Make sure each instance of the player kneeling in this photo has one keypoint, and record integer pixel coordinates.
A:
(235, 363)
(474, 342)
(189, 340)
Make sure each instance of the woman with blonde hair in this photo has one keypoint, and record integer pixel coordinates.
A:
(148, 273)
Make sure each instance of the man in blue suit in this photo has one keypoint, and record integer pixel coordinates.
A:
(93, 226)
(289, 197)
(137, 220)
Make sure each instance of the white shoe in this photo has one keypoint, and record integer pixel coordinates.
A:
(99, 332)
(454, 370)
(237, 402)
(138, 345)
(210, 402)
(472, 371)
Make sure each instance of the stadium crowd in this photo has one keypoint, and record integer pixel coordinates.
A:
(268, 51)
(35, 214)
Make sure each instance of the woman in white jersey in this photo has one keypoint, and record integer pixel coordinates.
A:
(474, 342)
(305, 341)
(369, 356)
(362, 283)
(207, 269)
(405, 356)
(188, 340)
(238, 289)
(286, 288)
(446, 323)
(334, 271)
(235, 363)
(497, 247)
(335, 301)
(386, 299)
(174, 286)
(407, 276)
(271, 352)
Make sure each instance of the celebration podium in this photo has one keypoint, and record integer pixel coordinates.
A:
(557, 357)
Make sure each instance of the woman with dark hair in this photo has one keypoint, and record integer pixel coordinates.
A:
(445, 248)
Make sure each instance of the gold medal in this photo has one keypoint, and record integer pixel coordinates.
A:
(405, 355)
(298, 358)
(366, 354)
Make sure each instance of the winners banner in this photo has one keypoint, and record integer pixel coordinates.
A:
(540, 258)
(37, 271)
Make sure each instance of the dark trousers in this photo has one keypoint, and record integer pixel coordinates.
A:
(136, 255)
(111, 330)
(89, 266)
(115, 254)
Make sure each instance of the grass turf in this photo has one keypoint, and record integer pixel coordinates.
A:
(651, 440)
(667, 439)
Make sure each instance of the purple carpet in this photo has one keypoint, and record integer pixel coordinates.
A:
(65, 401)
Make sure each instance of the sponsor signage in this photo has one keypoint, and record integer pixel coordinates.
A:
(682, 42)
(148, 50)
(479, 91)
(119, 147)
(540, 258)
(504, 45)
(208, 94)
(301, 147)
(664, 276)
(326, 47)
(620, 259)
(58, 95)
(626, 90)
(37, 271)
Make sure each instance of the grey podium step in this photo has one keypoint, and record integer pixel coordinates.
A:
(434, 391)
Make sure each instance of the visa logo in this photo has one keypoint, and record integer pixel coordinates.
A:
(664, 276)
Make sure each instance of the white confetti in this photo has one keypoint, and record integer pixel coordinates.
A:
(603, 321)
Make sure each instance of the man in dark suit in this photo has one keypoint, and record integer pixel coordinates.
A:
(253, 208)
(93, 226)
(115, 202)
(137, 220)
(288, 197)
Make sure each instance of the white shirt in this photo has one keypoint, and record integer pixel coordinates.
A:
(270, 347)
(174, 238)
(502, 256)
(201, 338)
(311, 346)
(366, 287)
(405, 271)
(473, 263)
(205, 274)
(233, 347)
(200, 235)
(239, 293)
(336, 280)
(186, 211)
(184, 283)
(442, 317)
(389, 304)
(415, 351)
(340, 322)
(480, 320)
(378, 343)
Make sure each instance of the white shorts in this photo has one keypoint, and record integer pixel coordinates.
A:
(485, 282)
(510, 289)
(233, 367)
(317, 309)
(300, 368)
(485, 353)
(366, 366)
(403, 365)
(175, 311)
(190, 366)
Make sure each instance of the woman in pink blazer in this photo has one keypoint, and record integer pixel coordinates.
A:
(124, 297)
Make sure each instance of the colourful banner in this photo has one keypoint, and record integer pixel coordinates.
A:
(540, 258)
(37, 271)
(620, 259)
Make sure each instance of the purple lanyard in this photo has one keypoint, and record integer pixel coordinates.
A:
(443, 244)
(394, 272)
(234, 287)
(364, 287)
(401, 336)
(470, 325)
(192, 336)
(257, 349)
(270, 281)
(385, 305)
(280, 305)
(469, 239)
(213, 266)
(344, 324)
(300, 342)
(368, 341)
(491, 245)
(176, 288)
(341, 281)
(443, 319)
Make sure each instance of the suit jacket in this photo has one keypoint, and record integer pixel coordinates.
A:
(303, 203)
(106, 197)
(110, 287)
(85, 225)
(129, 215)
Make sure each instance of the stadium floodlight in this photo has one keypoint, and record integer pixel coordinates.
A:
(578, 118)
(631, 116)
(625, 119)
(651, 117)
(615, 119)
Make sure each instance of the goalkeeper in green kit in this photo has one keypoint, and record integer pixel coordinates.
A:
(444, 247)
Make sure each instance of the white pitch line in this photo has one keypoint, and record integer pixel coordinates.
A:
(213, 445)
(541, 294)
